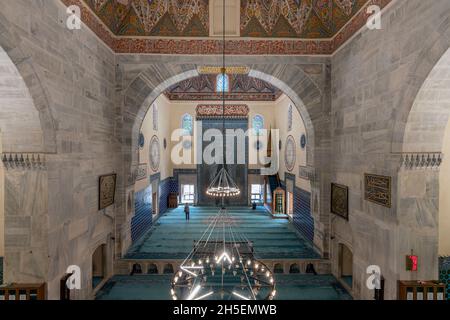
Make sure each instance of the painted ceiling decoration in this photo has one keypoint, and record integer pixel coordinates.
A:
(172, 18)
(268, 27)
(242, 88)
(309, 19)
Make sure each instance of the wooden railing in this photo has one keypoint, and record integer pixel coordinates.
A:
(23, 292)
(421, 290)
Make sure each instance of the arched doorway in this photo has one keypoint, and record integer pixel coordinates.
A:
(98, 265)
(346, 265)
(307, 96)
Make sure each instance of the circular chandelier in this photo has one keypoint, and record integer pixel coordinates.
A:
(221, 266)
(223, 185)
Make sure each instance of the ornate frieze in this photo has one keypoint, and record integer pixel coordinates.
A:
(232, 111)
(24, 160)
(428, 160)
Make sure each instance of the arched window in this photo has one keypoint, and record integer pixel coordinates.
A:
(155, 117)
(222, 83)
(258, 124)
(289, 119)
(187, 124)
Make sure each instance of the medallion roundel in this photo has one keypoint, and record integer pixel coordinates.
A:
(155, 154)
(303, 141)
(290, 153)
(141, 140)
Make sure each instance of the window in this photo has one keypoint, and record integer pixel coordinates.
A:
(222, 83)
(155, 117)
(258, 124)
(187, 124)
(256, 193)
(289, 119)
(187, 195)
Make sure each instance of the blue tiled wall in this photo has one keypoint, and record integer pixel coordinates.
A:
(444, 273)
(164, 190)
(142, 220)
(303, 221)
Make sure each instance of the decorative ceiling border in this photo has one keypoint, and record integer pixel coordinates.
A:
(145, 45)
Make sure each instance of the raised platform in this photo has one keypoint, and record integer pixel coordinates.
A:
(172, 237)
(275, 242)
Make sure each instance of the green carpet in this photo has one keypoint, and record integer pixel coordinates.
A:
(289, 287)
(172, 237)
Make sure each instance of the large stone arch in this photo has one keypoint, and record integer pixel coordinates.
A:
(27, 137)
(418, 133)
(12, 44)
(435, 46)
(311, 102)
(418, 179)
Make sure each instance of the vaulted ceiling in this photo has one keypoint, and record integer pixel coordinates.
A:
(289, 27)
(241, 88)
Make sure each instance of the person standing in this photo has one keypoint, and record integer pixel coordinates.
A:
(186, 211)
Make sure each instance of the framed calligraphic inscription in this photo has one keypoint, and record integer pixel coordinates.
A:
(106, 190)
(377, 189)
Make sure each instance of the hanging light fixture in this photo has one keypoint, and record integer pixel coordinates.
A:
(223, 184)
(222, 266)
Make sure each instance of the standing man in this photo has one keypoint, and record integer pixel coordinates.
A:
(186, 211)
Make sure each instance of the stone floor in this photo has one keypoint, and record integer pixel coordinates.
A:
(172, 236)
(289, 287)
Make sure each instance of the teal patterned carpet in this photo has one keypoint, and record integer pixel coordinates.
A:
(289, 287)
(173, 237)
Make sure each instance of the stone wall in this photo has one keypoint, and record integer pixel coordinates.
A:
(54, 212)
(375, 79)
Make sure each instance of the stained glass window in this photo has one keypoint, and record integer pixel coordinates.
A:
(222, 83)
(187, 124)
(258, 124)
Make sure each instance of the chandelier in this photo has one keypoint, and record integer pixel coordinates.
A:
(222, 266)
(223, 184)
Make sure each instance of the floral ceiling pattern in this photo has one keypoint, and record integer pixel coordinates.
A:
(268, 27)
(309, 19)
(188, 18)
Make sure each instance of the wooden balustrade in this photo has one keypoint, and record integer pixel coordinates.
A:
(23, 292)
